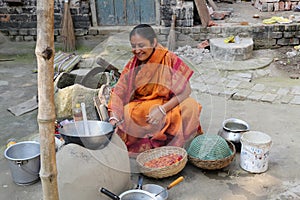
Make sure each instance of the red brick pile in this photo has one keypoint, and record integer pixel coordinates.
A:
(275, 5)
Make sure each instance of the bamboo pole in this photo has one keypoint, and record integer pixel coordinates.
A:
(46, 113)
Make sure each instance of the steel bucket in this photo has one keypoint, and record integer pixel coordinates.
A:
(24, 162)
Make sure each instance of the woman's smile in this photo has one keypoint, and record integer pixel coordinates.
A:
(141, 47)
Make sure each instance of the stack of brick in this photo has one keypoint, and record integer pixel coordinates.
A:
(184, 11)
(275, 5)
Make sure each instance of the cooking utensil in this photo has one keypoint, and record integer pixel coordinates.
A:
(100, 133)
(155, 189)
(178, 180)
(232, 130)
(134, 194)
(85, 123)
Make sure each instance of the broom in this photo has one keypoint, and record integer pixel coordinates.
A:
(171, 44)
(67, 30)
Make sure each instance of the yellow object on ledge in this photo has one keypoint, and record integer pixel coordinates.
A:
(229, 39)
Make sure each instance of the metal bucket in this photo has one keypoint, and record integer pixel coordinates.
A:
(24, 162)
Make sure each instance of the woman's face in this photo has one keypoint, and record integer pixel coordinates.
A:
(142, 47)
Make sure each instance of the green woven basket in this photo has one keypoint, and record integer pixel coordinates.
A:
(211, 152)
(209, 147)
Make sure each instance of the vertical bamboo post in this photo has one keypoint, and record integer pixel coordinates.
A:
(46, 113)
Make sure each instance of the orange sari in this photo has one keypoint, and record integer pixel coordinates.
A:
(141, 88)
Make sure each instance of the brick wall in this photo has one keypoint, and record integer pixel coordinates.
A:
(264, 36)
(18, 19)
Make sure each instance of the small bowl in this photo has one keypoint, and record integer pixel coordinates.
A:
(155, 189)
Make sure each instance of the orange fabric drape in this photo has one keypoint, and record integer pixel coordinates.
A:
(140, 89)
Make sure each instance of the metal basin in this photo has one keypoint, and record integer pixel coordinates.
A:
(100, 133)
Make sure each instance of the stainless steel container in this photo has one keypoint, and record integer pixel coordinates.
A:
(232, 130)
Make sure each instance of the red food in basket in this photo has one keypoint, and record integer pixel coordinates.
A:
(163, 161)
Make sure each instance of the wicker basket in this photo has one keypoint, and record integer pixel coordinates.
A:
(163, 172)
(214, 164)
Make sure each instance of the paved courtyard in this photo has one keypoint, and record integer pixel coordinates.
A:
(257, 92)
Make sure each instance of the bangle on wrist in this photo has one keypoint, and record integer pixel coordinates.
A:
(162, 110)
(113, 118)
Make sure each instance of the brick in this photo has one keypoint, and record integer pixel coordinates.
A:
(296, 100)
(283, 91)
(93, 32)
(270, 7)
(241, 94)
(233, 84)
(201, 87)
(288, 41)
(255, 96)
(228, 92)
(287, 5)
(281, 6)
(296, 90)
(80, 32)
(215, 29)
(19, 38)
(215, 89)
(289, 34)
(276, 7)
(32, 32)
(28, 38)
(286, 99)
(23, 32)
(277, 35)
(290, 27)
(4, 17)
(13, 32)
(259, 87)
(269, 97)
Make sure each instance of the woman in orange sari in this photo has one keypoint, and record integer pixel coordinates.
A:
(151, 98)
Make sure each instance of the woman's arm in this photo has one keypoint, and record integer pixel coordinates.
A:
(156, 115)
(174, 101)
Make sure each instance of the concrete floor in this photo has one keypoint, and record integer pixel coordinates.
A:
(280, 121)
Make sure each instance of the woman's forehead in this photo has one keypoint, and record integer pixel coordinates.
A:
(136, 38)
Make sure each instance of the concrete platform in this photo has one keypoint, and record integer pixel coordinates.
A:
(232, 51)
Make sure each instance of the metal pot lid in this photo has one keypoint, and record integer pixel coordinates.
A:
(235, 125)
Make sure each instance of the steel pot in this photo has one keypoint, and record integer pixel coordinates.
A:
(97, 137)
(233, 129)
(134, 194)
(157, 189)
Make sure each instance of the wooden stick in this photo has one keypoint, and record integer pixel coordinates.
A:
(94, 13)
(203, 12)
(46, 113)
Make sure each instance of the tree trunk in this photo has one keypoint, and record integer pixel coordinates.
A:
(46, 112)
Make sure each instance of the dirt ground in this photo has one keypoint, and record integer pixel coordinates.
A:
(280, 121)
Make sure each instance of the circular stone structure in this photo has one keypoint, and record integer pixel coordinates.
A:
(231, 51)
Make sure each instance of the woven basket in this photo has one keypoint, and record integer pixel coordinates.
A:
(163, 172)
(214, 164)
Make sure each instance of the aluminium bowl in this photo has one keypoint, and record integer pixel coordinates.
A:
(99, 137)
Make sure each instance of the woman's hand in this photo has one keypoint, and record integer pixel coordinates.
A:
(156, 115)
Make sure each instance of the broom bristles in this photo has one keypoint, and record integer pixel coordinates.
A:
(67, 32)
(171, 43)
